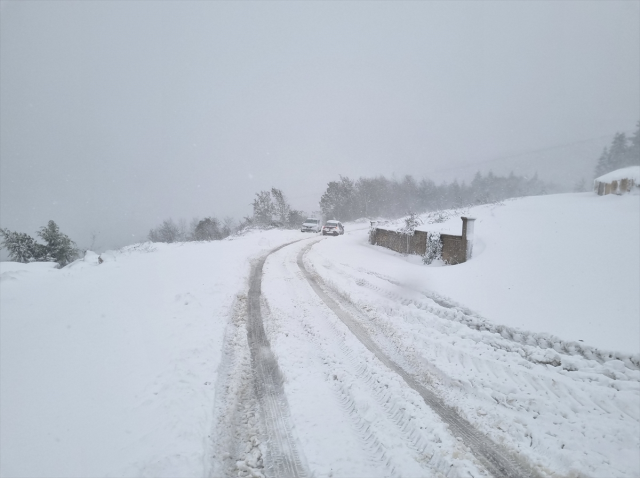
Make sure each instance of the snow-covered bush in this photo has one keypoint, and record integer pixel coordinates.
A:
(410, 223)
(434, 248)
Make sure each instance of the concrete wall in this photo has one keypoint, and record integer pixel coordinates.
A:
(455, 249)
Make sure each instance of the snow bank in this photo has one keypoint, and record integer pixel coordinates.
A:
(631, 172)
(566, 265)
(109, 369)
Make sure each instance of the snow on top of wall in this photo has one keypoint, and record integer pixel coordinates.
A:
(631, 172)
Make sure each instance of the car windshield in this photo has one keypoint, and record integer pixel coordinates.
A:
(332, 223)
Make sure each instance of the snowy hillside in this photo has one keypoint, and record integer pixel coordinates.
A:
(143, 366)
(565, 264)
(110, 369)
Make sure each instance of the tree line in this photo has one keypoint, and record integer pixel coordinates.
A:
(621, 153)
(347, 199)
(344, 199)
(270, 209)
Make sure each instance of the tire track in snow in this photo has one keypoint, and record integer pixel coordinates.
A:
(282, 458)
(449, 310)
(498, 461)
(396, 414)
(237, 424)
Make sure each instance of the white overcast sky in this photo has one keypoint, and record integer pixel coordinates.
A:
(116, 115)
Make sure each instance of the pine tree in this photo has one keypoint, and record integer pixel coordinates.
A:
(604, 164)
(618, 152)
(58, 245)
(633, 152)
(621, 153)
(22, 247)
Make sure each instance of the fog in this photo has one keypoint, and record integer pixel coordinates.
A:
(117, 115)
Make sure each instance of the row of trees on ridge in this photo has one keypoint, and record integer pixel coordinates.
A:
(348, 199)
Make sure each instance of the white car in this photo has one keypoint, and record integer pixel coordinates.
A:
(311, 225)
(335, 228)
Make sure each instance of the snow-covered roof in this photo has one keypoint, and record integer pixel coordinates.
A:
(631, 172)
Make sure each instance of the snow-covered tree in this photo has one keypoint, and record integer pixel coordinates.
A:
(167, 232)
(339, 200)
(280, 207)
(410, 223)
(228, 226)
(263, 208)
(633, 152)
(208, 229)
(58, 245)
(295, 218)
(623, 152)
(22, 247)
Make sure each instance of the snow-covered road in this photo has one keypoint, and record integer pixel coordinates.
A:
(279, 353)
(381, 380)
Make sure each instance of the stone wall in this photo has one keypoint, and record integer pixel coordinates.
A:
(455, 249)
(614, 187)
(399, 242)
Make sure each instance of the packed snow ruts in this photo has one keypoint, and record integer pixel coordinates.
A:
(282, 457)
(563, 419)
(498, 461)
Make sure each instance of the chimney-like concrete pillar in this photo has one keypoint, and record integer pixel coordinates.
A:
(467, 235)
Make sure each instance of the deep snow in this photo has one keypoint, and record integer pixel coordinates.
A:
(630, 172)
(110, 369)
(565, 264)
(113, 369)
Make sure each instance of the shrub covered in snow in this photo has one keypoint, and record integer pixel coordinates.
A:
(434, 248)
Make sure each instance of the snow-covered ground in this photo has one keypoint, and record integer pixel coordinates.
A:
(630, 172)
(110, 369)
(565, 264)
(140, 366)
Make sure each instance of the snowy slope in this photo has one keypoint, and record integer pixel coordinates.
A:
(566, 264)
(110, 369)
(140, 366)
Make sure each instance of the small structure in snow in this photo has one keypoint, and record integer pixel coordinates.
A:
(620, 181)
(454, 250)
